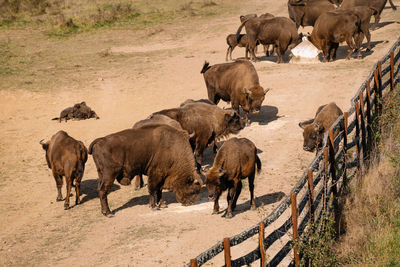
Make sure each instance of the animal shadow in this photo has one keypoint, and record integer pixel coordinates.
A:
(365, 53)
(89, 189)
(260, 201)
(167, 196)
(265, 116)
(382, 24)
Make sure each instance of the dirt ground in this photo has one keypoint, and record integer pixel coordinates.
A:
(125, 76)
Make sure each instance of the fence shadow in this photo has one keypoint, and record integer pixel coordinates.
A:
(89, 189)
(265, 116)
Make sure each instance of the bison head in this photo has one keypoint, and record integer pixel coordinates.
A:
(256, 97)
(234, 123)
(312, 136)
(45, 147)
(189, 192)
(214, 182)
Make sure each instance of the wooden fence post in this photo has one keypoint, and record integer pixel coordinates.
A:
(311, 193)
(357, 137)
(193, 263)
(376, 88)
(295, 232)
(346, 123)
(391, 71)
(369, 118)
(227, 252)
(363, 130)
(261, 228)
(326, 176)
(380, 86)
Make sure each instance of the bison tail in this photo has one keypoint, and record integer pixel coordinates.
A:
(258, 163)
(206, 66)
(54, 119)
(91, 146)
(239, 30)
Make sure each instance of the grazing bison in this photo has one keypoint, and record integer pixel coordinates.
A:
(66, 157)
(378, 5)
(306, 13)
(333, 28)
(364, 13)
(314, 129)
(235, 161)
(279, 31)
(236, 82)
(206, 123)
(151, 120)
(79, 111)
(159, 151)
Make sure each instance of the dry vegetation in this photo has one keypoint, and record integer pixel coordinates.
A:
(372, 211)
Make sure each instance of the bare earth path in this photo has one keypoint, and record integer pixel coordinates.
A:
(124, 80)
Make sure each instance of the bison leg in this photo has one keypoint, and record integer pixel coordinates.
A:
(138, 182)
(246, 54)
(230, 196)
(160, 202)
(251, 189)
(237, 193)
(216, 205)
(77, 190)
(103, 186)
(349, 42)
(59, 183)
(392, 5)
(68, 184)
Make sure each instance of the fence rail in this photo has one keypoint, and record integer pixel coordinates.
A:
(325, 177)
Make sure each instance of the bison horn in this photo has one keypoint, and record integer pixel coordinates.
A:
(192, 135)
(266, 90)
(41, 142)
(221, 172)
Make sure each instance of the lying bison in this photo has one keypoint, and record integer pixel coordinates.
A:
(207, 123)
(236, 82)
(278, 31)
(305, 13)
(333, 28)
(378, 5)
(161, 152)
(314, 129)
(66, 157)
(151, 120)
(79, 111)
(236, 160)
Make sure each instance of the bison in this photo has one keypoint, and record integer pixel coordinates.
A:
(161, 152)
(79, 111)
(279, 31)
(378, 5)
(333, 28)
(66, 157)
(207, 124)
(236, 160)
(314, 129)
(232, 42)
(151, 120)
(236, 82)
(306, 13)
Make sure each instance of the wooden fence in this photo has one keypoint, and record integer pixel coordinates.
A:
(323, 180)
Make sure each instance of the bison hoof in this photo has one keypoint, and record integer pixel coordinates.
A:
(66, 206)
(59, 199)
(214, 212)
(253, 207)
(108, 214)
(163, 204)
(228, 215)
(155, 208)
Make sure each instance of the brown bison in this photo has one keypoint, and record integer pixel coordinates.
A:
(314, 129)
(278, 31)
(79, 111)
(66, 157)
(236, 82)
(236, 160)
(207, 124)
(333, 28)
(161, 152)
(378, 5)
(364, 13)
(232, 42)
(306, 13)
(151, 120)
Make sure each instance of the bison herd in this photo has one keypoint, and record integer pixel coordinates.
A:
(168, 145)
(333, 22)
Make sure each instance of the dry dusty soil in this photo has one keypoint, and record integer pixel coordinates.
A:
(125, 76)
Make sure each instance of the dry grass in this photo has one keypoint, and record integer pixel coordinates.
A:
(372, 211)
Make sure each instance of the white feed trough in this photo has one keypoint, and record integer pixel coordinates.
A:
(305, 52)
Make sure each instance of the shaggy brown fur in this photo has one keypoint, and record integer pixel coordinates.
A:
(314, 129)
(66, 157)
(306, 13)
(159, 151)
(79, 111)
(236, 160)
(236, 82)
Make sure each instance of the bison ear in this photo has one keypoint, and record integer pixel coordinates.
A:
(318, 128)
(45, 146)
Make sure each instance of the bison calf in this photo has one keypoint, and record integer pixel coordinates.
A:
(314, 129)
(66, 156)
(235, 160)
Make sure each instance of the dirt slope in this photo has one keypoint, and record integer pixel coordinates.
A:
(125, 78)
